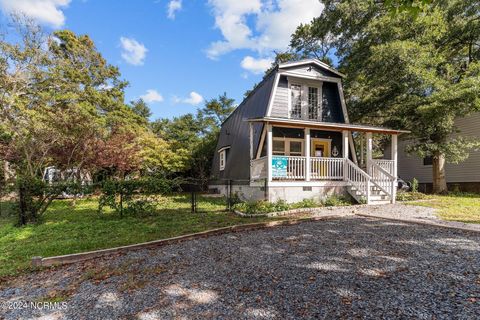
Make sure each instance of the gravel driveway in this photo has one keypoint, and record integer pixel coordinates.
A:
(350, 267)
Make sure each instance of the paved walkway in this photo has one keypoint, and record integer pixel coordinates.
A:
(348, 267)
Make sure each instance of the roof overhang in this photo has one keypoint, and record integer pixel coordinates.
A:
(331, 126)
(310, 61)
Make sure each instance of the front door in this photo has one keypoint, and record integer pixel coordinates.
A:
(320, 149)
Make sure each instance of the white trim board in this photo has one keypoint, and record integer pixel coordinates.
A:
(273, 94)
(310, 61)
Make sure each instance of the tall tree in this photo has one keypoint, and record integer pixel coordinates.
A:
(62, 105)
(416, 71)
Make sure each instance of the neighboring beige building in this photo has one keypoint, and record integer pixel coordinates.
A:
(464, 176)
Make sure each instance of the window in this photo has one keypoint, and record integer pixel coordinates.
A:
(313, 103)
(295, 148)
(305, 101)
(278, 147)
(296, 96)
(428, 161)
(287, 147)
(223, 159)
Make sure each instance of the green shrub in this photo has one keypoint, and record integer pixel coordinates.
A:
(335, 200)
(131, 196)
(262, 207)
(306, 203)
(414, 187)
(281, 205)
(410, 196)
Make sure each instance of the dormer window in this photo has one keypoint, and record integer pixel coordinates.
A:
(313, 103)
(296, 101)
(305, 101)
(222, 157)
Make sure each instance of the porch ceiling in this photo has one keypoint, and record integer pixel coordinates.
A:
(295, 123)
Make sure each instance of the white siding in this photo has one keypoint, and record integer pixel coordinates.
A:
(280, 103)
(410, 167)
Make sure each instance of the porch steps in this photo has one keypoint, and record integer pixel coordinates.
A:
(377, 196)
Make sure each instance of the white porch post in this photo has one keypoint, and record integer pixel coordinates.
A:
(345, 144)
(395, 160)
(369, 151)
(307, 154)
(269, 152)
(362, 150)
(345, 147)
(394, 153)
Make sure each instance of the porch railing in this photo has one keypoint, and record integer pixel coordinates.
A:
(258, 168)
(326, 168)
(387, 165)
(295, 169)
(358, 179)
(382, 179)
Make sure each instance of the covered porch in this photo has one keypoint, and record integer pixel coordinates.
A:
(294, 152)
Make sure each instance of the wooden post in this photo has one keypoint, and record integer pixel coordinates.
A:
(369, 151)
(269, 152)
(307, 154)
(251, 140)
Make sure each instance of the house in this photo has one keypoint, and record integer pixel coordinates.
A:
(464, 176)
(291, 139)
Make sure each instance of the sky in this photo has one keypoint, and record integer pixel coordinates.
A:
(176, 54)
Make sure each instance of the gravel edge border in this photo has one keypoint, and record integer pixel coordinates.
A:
(78, 257)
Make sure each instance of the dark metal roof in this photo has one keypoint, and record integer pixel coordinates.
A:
(235, 133)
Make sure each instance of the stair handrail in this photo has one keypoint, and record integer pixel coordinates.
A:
(362, 185)
(374, 166)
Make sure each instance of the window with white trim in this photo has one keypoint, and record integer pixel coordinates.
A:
(313, 103)
(305, 101)
(222, 159)
(287, 147)
(296, 101)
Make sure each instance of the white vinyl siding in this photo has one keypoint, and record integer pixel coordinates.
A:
(410, 167)
(280, 103)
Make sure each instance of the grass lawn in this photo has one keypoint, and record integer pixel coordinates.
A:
(66, 229)
(461, 207)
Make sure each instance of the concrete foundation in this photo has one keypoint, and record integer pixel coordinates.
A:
(295, 192)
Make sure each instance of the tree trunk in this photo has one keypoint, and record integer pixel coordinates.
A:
(22, 204)
(439, 180)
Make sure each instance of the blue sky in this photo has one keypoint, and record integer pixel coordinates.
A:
(177, 53)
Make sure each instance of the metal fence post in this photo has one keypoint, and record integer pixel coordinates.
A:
(229, 191)
(194, 201)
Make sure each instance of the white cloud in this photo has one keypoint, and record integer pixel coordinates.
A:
(194, 99)
(152, 96)
(172, 7)
(256, 66)
(271, 23)
(44, 11)
(133, 51)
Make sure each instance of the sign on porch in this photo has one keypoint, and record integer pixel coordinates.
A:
(279, 167)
